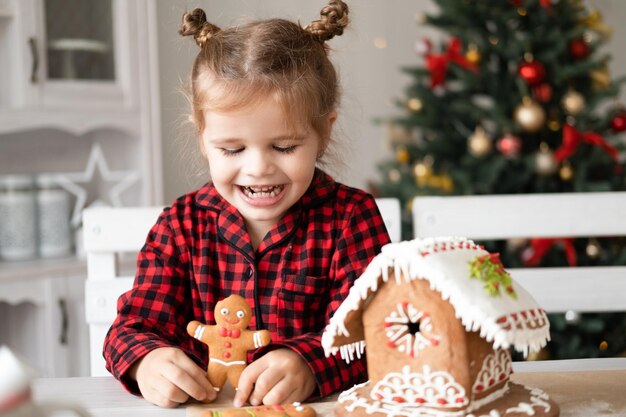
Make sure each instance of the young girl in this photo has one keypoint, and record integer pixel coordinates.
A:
(270, 226)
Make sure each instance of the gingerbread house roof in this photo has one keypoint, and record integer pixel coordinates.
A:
(503, 319)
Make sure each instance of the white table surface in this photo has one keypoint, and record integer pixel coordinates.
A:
(586, 388)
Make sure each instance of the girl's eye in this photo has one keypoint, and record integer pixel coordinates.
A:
(224, 311)
(230, 151)
(240, 314)
(285, 149)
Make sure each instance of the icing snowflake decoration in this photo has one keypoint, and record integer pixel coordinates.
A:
(409, 330)
(416, 390)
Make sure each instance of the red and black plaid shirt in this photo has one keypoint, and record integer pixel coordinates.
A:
(199, 252)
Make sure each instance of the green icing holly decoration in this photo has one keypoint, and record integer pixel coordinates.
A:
(489, 269)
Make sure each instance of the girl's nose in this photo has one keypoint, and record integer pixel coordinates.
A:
(258, 164)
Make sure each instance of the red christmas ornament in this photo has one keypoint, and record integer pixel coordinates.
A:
(509, 145)
(542, 92)
(578, 48)
(618, 122)
(533, 72)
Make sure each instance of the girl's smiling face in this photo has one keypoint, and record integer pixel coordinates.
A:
(258, 163)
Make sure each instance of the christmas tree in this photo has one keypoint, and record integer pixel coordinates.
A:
(517, 98)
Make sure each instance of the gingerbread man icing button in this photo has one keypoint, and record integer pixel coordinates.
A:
(229, 340)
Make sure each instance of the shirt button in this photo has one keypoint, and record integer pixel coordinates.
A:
(226, 355)
(227, 344)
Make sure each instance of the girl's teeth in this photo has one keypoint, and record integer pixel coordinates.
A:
(260, 192)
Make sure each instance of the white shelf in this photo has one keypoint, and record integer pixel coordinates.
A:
(24, 270)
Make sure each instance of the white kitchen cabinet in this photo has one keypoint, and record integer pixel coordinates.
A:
(43, 318)
(74, 75)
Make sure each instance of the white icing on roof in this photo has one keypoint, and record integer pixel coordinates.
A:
(443, 262)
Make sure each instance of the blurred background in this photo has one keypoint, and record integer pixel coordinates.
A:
(436, 100)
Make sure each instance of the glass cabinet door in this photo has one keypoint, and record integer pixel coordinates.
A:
(79, 40)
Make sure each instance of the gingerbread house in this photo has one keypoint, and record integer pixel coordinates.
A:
(438, 317)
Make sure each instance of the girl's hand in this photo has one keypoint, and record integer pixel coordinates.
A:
(280, 376)
(167, 377)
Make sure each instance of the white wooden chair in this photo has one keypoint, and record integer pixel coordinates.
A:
(110, 233)
(391, 213)
(501, 217)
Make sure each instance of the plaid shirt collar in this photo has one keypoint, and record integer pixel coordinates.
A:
(231, 226)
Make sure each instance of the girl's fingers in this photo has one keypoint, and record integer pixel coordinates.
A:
(265, 383)
(247, 381)
(283, 392)
(193, 380)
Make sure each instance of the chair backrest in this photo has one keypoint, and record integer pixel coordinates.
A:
(501, 217)
(108, 233)
(390, 210)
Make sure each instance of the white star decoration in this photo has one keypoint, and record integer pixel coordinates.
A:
(71, 180)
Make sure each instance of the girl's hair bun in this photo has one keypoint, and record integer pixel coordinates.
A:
(195, 24)
(334, 18)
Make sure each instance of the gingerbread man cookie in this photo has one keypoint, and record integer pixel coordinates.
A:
(229, 340)
(292, 410)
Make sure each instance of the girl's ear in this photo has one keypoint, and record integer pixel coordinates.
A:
(332, 117)
(330, 120)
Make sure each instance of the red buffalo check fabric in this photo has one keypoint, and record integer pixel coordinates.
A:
(199, 252)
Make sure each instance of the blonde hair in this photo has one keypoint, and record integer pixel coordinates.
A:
(242, 65)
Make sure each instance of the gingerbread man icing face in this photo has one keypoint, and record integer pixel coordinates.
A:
(233, 313)
(229, 340)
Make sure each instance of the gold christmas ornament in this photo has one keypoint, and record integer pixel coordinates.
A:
(398, 134)
(473, 55)
(600, 78)
(402, 155)
(545, 163)
(515, 244)
(479, 144)
(566, 172)
(554, 125)
(573, 102)
(593, 248)
(415, 104)
(594, 22)
(529, 115)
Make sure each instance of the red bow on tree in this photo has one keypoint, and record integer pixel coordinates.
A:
(234, 333)
(437, 64)
(544, 3)
(539, 247)
(572, 138)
